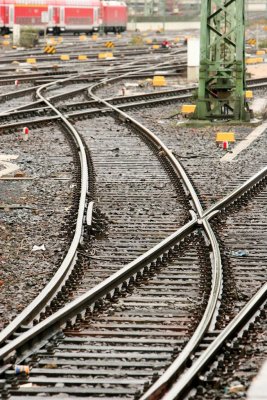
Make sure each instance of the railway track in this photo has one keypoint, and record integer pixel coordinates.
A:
(94, 324)
(23, 97)
(133, 334)
(43, 58)
(66, 263)
(85, 108)
(37, 198)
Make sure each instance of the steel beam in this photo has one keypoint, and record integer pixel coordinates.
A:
(221, 93)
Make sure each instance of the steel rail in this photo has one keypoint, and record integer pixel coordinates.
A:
(237, 193)
(123, 99)
(168, 377)
(36, 75)
(251, 85)
(104, 288)
(64, 270)
(29, 122)
(48, 327)
(43, 58)
(216, 289)
(91, 111)
(63, 47)
(237, 324)
(84, 75)
(51, 84)
(172, 159)
(208, 315)
(214, 298)
(207, 321)
(82, 310)
(54, 284)
(152, 97)
(19, 92)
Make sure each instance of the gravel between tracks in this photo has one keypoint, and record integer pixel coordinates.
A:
(32, 211)
(16, 102)
(197, 150)
(12, 88)
(133, 191)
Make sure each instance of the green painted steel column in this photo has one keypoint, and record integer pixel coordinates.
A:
(203, 66)
(221, 93)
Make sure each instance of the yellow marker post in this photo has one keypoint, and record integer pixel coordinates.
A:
(64, 57)
(50, 50)
(51, 41)
(31, 61)
(260, 52)
(82, 38)
(225, 137)
(251, 42)
(252, 60)
(188, 109)
(159, 80)
(248, 94)
(82, 57)
(109, 45)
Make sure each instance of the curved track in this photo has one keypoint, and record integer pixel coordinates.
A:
(122, 334)
(67, 264)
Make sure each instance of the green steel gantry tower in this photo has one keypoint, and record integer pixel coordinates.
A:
(221, 93)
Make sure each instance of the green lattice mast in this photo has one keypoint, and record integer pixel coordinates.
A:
(221, 93)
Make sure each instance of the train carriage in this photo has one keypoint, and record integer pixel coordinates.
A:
(22, 12)
(56, 16)
(77, 16)
(114, 16)
(53, 15)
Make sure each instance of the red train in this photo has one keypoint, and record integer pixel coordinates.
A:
(57, 16)
(113, 16)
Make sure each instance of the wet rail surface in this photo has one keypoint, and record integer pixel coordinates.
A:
(114, 315)
(201, 156)
(125, 319)
(38, 210)
(242, 233)
(119, 351)
(157, 187)
(140, 203)
(59, 301)
(84, 106)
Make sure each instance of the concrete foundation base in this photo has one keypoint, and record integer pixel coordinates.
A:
(192, 74)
